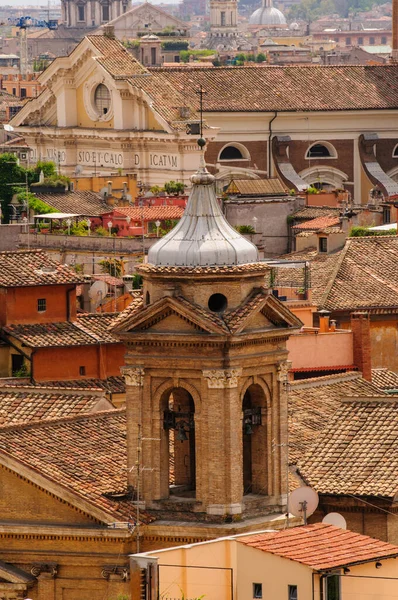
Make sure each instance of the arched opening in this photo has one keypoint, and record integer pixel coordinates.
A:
(180, 448)
(321, 150)
(395, 152)
(234, 152)
(254, 439)
(102, 99)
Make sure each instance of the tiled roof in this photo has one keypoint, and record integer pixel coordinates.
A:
(385, 379)
(365, 276)
(313, 402)
(356, 452)
(17, 407)
(151, 213)
(87, 330)
(113, 384)
(109, 279)
(321, 546)
(318, 223)
(114, 57)
(134, 308)
(286, 88)
(249, 187)
(85, 455)
(33, 267)
(313, 212)
(226, 270)
(80, 203)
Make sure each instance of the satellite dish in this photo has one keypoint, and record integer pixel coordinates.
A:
(79, 169)
(303, 502)
(97, 292)
(335, 519)
(104, 192)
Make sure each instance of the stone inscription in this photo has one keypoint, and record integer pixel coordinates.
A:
(157, 161)
(100, 158)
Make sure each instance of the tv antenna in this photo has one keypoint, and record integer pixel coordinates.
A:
(303, 502)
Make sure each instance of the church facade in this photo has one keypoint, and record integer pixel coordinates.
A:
(105, 112)
(89, 14)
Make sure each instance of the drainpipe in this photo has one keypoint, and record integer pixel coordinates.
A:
(269, 141)
(68, 304)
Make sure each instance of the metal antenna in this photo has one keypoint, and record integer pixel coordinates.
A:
(201, 92)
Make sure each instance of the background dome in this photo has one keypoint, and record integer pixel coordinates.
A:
(267, 15)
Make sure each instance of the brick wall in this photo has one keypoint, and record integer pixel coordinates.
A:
(360, 326)
(257, 151)
(344, 161)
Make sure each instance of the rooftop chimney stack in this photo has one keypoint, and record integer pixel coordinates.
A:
(394, 54)
(360, 327)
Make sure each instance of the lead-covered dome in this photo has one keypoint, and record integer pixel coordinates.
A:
(203, 237)
(267, 15)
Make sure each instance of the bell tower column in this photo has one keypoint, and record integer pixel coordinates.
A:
(223, 487)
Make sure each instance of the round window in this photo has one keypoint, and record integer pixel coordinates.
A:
(217, 303)
(102, 99)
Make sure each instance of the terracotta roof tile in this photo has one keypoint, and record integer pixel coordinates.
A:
(365, 276)
(114, 57)
(85, 331)
(113, 384)
(385, 379)
(90, 461)
(256, 187)
(318, 223)
(26, 406)
(286, 88)
(356, 452)
(313, 402)
(136, 306)
(152, 213)
(321, 546)
(313, 212)
(33, 267)
(208, 270)
(78, 202)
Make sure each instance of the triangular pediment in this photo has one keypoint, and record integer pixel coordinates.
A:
(174, 315)
(13, 575)
(257, 321)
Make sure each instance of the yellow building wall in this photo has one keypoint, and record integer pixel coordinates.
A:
(365, 581)
(153, 124)
(97, 183)
(83, 120)
(22, 501)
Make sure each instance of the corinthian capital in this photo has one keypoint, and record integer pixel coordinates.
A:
(283, 370)
(222, 378)
(134, 376)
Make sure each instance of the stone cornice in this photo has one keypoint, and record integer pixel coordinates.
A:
(59, 532)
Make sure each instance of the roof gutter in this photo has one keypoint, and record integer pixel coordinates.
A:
(269, 141)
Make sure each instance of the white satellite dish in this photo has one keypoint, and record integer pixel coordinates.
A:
(97, 292)
(303, 502)
(103, 192)
(79, 169)
(335, 519)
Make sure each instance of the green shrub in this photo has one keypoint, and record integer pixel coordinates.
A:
(245, 228)
(360, 231)
(312, 190)
(101, 231)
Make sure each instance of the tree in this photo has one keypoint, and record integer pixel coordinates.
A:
(174, 188)
(260, 57)
(112, 266)
(10, 173)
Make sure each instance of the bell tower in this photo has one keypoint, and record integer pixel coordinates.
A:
(205, 369)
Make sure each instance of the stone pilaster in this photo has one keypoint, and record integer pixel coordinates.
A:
(224, 455)
(134, 378)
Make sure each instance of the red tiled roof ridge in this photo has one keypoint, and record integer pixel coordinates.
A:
(54, 422)
(321, 546)
(255, 67)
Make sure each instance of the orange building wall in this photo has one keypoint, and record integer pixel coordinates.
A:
(64, 363)
(20, 305)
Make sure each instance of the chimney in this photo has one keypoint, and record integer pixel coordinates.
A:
(109, 32)
(324, 316)
(360, 327)
(109, 192)
(394, 53)
(124, 194)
